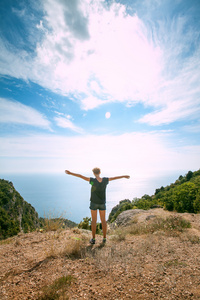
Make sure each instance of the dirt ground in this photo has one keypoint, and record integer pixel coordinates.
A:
(145, 266)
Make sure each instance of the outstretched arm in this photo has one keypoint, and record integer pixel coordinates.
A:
(77, 175)
(119, 177)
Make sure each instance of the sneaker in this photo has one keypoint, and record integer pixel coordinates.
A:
(92, 241)
(104, 240)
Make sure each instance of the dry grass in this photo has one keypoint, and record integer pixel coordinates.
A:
(75, 249)
(149, 236)
(57, 289)
(191, 237)
(168, 225)
(171, 225)
(119, 235)
(53, 224)
(7, 241)
(150, 259)
(70, 247)
(194, 239)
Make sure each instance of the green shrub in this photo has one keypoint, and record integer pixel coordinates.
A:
(86, 224)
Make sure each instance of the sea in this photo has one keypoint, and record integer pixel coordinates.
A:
(61, 195)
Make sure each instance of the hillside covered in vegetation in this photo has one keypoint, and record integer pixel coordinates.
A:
(181, 196)
(15, 213)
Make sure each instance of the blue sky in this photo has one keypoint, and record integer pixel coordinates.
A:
(114, 84)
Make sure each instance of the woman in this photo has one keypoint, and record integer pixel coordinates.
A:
(98, 198)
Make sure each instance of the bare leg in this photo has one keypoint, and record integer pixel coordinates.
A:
(94, 221)
(102, 214)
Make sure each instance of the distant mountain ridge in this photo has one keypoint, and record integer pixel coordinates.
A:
(16, 214)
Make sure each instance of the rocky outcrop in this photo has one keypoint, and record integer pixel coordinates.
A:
(126, 217)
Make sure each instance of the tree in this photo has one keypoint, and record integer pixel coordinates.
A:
(85, 224)
(180, 178)
(196, 204)
(189, 175)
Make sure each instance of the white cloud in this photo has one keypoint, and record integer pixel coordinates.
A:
(66, 123)
(14, 112)
(92, 50)
(91, 102)
(40, 25)
(101, 54)
(95, 87)
(134, 153)
(192, 128)
(14, 62)
(179, 96)
(177, 110)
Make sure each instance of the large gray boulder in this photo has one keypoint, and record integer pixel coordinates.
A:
(127, 216)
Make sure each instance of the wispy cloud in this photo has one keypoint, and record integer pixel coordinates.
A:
(14, 62)
(14, 112)
(177, 95)
(102, 54)
(174, 111)
(66, 123)
(192, 128)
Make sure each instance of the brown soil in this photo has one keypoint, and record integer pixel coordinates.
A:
(151, 266)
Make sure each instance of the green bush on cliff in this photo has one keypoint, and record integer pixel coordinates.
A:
(181, 196)
(15, 214)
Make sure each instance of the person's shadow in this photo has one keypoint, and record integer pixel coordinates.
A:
(93, 248)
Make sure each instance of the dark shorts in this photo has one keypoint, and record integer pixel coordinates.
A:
(95, 206)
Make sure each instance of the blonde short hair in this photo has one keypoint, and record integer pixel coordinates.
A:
(96, 171)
